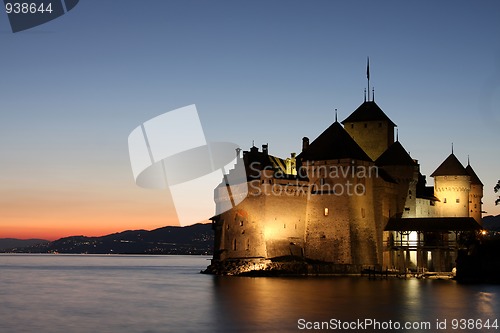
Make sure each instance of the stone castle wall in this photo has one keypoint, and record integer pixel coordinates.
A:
(372, 136)
(453, 193)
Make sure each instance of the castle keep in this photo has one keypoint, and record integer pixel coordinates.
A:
(352, 199)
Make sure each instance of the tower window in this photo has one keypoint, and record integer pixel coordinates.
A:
(458, 200)
(234, 244)
(326, 211)
(444, 200)
(379, 124)
(352, 125)
(363, 213)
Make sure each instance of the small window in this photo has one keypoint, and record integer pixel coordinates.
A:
(352, 125)
(326, 211)
(379, 124)
(284, 226)
(241, 223)
(234, 244)
(458, 200)
(363, 213)
(366, 125)
(444, 200)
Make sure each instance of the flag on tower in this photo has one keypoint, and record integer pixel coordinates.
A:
(368, 68)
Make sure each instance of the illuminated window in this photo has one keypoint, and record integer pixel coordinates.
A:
(326, 211)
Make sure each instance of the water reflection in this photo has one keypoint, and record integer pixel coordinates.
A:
(276, 304)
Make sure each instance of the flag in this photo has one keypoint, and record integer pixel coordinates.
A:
(368, 68)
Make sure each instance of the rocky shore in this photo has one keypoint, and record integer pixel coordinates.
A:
(279, 267)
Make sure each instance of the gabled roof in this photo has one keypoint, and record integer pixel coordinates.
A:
(334, 143)
(395, 155)
(474, 179)
(433, 224)
(450, 167)
(368, 111)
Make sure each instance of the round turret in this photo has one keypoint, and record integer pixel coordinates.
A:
(452, 188)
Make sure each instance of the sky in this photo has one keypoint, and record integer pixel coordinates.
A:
(73, 89)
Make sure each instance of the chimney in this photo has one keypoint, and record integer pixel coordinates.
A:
(305, 143)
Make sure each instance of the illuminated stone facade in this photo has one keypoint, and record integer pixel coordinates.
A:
(332, 203)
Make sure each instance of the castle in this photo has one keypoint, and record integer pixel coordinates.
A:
(352, 199)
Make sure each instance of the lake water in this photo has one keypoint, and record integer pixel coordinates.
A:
(93, 293)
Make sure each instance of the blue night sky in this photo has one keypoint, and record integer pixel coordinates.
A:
(73, 89)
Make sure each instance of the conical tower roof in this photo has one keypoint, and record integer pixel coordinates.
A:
(368, 111)
(334, 143)
(474, 179)
(450, 167)
(395, 155)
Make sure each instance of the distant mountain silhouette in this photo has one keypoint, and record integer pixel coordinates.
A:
(491, 222)
(194, 239)
(11, 243)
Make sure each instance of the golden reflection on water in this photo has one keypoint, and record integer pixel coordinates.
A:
(263, 302)
(485, 301)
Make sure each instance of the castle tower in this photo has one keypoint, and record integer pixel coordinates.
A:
(341, 225)
(370, 127)
(452, 185)
(400, 166)
(475, 195)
